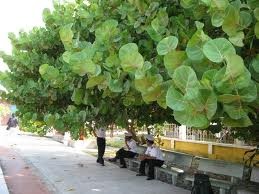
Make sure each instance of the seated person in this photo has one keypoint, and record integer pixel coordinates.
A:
(128, 152)
(153, 157)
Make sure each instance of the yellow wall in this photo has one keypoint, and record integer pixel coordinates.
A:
(230, 153)
(196, 149)
(166, 144)
(221, 152)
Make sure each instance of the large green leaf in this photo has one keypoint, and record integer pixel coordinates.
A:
(195, 44)
(257, 30)
(81, 63)
(160, 22)
(48, 72)
(66, 34)
(256, 13)
(112, 61)
(207, 78)
(153, 94)
(173, 60)
(245, 19)
(217, 18)
(228, 98)
(231, 21)
(243, 122)
(185, 78)
(249, 94)
(115, 85)
(187, 3)
(166, 45)
(255, 64)
(148, 83)
(235, 66)
(216, 49)
(235, 110)
(153, 34)
(94, 81)
(191, 118)
(175, 100)
(237, 39)
(131, 59)
(78, 96)
(209, 102)
(219, 4)
(107, 31)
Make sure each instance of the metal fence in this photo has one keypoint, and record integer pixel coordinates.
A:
(173, 131)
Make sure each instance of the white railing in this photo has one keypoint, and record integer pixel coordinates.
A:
(173, 131)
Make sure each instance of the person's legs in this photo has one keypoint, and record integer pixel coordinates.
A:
(125, 154)
(102, 150)
(117, 156)
(142, 167)
(99, 149)
(151, 164)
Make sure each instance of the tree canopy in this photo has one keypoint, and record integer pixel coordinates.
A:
(192, 62)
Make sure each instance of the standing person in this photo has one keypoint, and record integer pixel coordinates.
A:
(12, 122)
(100, 135)
(129, 151)
(153, 157)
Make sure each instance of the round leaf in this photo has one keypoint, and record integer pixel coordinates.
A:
(173, 60)
(131, 59)
(257, 30)
(217, 18)
(166, 45)
(256, 13)
(175, 100)
(216, 49)
(184, 78)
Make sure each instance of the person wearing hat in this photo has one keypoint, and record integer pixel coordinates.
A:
(128, 152)
(153, 157)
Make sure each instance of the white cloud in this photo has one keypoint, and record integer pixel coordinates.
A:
(16, 15)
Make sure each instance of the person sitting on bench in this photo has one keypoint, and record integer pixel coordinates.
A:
(128, 152)
(153, 157)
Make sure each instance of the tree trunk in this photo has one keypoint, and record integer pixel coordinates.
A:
(81, 134)
(111, 131)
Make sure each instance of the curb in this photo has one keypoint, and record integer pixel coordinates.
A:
(3, 186)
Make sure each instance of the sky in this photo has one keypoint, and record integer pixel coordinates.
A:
(16, 15)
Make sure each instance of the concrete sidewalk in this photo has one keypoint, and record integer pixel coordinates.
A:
(3, 186)
(66, 170)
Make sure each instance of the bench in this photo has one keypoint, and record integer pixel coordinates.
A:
(176, 164)
(223, 170)
(134, 163)
(253, 186)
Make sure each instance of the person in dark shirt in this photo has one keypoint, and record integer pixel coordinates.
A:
(12, 122)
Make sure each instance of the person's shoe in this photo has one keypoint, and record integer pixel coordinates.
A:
(102, 164)
(123, 166)
(149, 178)
(140, 174)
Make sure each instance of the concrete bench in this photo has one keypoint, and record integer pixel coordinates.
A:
(134, 163)
(233, 171)
(175, 164)
(253, 186)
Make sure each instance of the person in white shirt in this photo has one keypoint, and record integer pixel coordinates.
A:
(128, 152)
(100, 135)
(153, 157)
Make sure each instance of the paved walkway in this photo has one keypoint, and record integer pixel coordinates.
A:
(65, 170)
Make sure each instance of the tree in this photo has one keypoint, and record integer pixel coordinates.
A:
(192, 61)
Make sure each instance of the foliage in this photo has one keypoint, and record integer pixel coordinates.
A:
(193, 61)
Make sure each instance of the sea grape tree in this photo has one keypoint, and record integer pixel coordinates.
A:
(189, 61)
